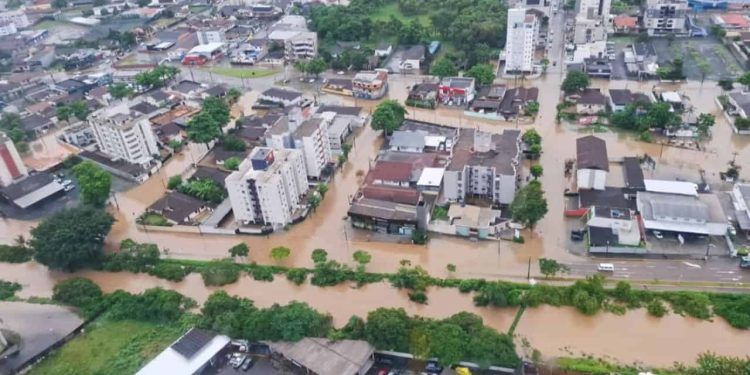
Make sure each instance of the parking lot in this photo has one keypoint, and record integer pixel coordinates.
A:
(700, 55)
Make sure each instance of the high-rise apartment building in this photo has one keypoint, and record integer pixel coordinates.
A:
(521, 37)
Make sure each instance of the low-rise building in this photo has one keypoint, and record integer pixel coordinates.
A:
(11, 165)
(412, 59)
(423, 95)
(592, 163)
(740, 101)
(458, 91)
(590, 102)
(619, 99)
(178, 208)
(17, 18)
(676, 211)
(268, 188)
(190, 354)
(516, 100)
(614, 230)
(485, 166)
(597, 67)
(323, 356)
(31, 189)
(371, 84)
(383, 49)
(625, 24)
(741, 203)
(281, 97)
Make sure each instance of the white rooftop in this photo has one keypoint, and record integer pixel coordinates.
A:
(207, 48)
(433, 140)
(431, 177)
(172, 362)
(671, 187)
(671, 97)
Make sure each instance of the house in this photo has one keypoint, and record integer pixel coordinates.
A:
(619, 99)
(516, 100)
(457, 91)
(437, 138)
(339, 86)
(370, 84)
(79, 135)
(313, 355)
(469, 219)
(189, 88)
(281, 97)
(484, 166)
(614, 230)
(383, 49)
(673, 98)
(412, 59)
(423, 95)
(592, 163)
(597, 67)
(70, 86)
(36, 124)
(625, 24)
(633, 174)
(731, 21)
(391, 173)
(190, 354)
(179, 208)
(340, 47)
(590, 101)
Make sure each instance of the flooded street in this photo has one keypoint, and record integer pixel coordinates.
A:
(636, 336)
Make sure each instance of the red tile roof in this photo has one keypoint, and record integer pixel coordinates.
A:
(624, 21)
(390, 171)
(391, 194)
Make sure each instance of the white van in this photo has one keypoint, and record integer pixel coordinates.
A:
(606, 267)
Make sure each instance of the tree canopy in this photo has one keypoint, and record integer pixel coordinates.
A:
(119, 90)
(157, 77)
(443, 68)
(95, 183)
(484, 74)
(71, 239)
(203, 128)
(388, 116)
(575, 81)
(529, 205)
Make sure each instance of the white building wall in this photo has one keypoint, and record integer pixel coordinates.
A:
(591, 179)
(451, 190)
(520, 41)
(505, 188)
(210, 36)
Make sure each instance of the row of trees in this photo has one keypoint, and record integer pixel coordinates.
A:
(157, 77)
(312, 66)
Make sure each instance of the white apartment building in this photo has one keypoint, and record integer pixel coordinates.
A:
(16, 17)
(311, 137)
(123, 134)
(521, 41)
(11, 165)
(298, 41)
(484, 165)
(663, 17)
(269, 187)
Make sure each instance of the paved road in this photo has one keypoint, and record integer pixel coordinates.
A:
(721, 270)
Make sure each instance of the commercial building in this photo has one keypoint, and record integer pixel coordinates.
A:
(268, 188)
(124, 134)
(31, 189)
(676, 206)
(457, 91)
(281, 97)
(419, 136)
(484, 166)
(592, 163)
(664, 17)
(741, 204)
(313, 355)
(614, 230)
(520, 43)
(370, 84)
(11, 165)
(16, 17)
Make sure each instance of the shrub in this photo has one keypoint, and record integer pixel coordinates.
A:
(8, 289)
(296, 275)
(170, 271)
(418, 296)
(735, 308)
(174, 182)
(330, 273)
(153, 305)
(656, 308)
(694, 304)
(220, 272)
(470, 285)
(15, 254)
(134, 257)
(262, 273)
(79, 292)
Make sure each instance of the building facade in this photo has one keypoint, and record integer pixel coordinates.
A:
(123, 134)
(521, 41)
(268, 188)
(311, 137)
(663, 17)
(11, 165)
(17, 17)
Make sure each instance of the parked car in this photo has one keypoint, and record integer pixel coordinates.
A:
(69, 187)
(745, 261)
(237, 360)
(658, 234)
(576, 235)
(433, 367)
(248, 363)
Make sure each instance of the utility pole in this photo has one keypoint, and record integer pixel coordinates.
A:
(528, 271)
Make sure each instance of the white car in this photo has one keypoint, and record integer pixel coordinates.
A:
(606, 267)
(658, 234)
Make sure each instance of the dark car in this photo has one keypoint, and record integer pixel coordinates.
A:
(576, 235)
(248, 363)
(433, 367)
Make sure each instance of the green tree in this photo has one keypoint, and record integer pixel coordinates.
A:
(315, 66)
(233, 163)
(386, 329)
(705, 122)
(280, 253)
(362, 257)
(545, 64)
(532, 108)
(233, 143)
(484, 74)
(233, 95)
(448, 343)
(388, 116)
(95, 183)
(450, 267)
(239, 250)
(322, 189)
(575, 81)
(71, 239)
(443, 68)
(220, 272)
(314, 200)
(119, 90)
(204, 189)
(174, 182)
(217, 108)
(319, 256)
(529, 205)
(536, 170)
(551, 267)
(661, 116)
(203, 128)
(726, 84)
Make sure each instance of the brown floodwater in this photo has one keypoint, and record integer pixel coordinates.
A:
(633, 337)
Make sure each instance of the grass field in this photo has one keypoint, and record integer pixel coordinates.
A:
(109, 347)
(243, 72)
(384, 14)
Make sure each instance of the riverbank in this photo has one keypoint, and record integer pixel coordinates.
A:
(555, 331)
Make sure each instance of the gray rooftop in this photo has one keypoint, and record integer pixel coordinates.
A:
(406, 138)
(673, 207)
(326, 357)
(308, 127)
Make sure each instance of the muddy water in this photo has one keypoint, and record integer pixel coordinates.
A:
(554, 331)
